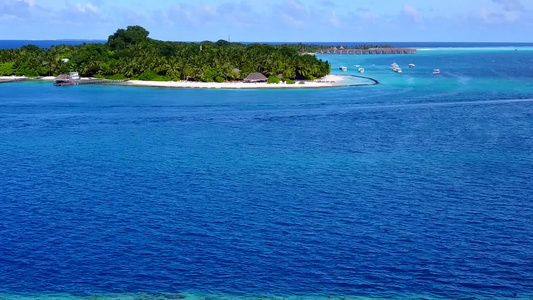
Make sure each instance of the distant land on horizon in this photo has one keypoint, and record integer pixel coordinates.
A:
(13, 44)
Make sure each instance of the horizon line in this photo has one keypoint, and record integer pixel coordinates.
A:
(287, 42)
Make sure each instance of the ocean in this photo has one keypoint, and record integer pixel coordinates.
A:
(13, 44)
(416, 188)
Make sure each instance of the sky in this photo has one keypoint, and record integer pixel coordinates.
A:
(273, 20)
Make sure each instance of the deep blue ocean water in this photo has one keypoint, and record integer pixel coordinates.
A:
(419, 187)
(13, 44)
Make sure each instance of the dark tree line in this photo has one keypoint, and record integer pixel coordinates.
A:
(130, 53)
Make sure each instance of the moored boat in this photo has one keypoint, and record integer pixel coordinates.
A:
(361, 70)
(73, 78)
(411, 65)
(343, 68)
(436, 72)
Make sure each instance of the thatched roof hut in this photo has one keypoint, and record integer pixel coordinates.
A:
(62, 80)
(62, 77)
(256, 77)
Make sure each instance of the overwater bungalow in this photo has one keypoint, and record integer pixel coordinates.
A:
(342, 50)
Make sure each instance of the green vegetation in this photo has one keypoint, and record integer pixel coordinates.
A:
(130, 53)
(273, 79)
(290, 81)
(6, 69)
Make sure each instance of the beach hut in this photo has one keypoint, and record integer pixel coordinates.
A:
(62, 80)
(256, 77)
(71, 79)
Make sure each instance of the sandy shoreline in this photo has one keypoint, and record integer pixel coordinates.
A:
(324, 82)
(327, 81)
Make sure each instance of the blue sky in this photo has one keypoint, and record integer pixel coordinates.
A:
(273, 20)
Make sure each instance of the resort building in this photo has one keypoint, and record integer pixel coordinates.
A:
(255, 77)
(72, 78)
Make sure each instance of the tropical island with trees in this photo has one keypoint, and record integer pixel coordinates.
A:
(130, 53)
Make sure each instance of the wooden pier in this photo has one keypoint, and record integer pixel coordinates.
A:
(90, 81)
(102, 81)
(79, 82)
(342, 50)
(17, 79)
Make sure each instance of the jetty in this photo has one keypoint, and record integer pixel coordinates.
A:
(63, 80)
(17, 79)
(101, 81)
(89, 81)
(74, 79)
(356, 51)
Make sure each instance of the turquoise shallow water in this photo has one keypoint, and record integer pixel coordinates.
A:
(415, 188)
(485, 70)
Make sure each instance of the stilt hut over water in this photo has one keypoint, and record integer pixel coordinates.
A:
(384, 50)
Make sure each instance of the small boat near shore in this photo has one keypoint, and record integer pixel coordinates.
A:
(343, 68)
(396, 68)
(411, 66)
(73, 78)
(361, 70)
(436, 71)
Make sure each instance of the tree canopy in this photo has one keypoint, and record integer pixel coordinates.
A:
(131, 53)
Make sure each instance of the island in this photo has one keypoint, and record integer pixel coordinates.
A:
(130, 54)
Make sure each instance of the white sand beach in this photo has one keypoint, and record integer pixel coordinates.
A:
(324, 82)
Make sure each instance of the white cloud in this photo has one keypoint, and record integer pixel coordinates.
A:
(292, 13)
(410, 12)
(492, 16)
(370, 16)
(31, 3)
(89, 7)
(8, 18)
(510, 5)
(20, 10)
(334, 20)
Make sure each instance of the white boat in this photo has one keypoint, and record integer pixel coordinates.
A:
(361, 70)
(394, 66)
(436, 72)
(411, 65)
(398, 70)
(357, 66)
(343, 68)
(74, 76)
